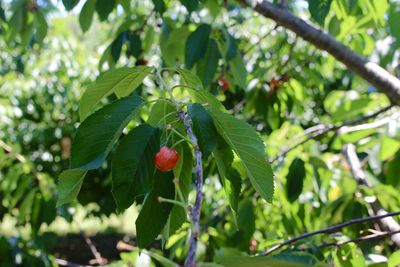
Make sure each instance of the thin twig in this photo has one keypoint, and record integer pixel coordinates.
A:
(331, 229)
(62, 262)
(99, 259)
(21, 158)
(195, 212)
(260, 39)
(322, 129)
(360, 239)
(376, 208)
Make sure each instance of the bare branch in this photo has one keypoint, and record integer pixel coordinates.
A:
(360, 239)
(98, 258)
(359, 175)
(322, 129)
(195, 212)
(331, 229)
(369, 71)
(62, 262)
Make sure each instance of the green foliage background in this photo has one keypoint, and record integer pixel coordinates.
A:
(52, 51)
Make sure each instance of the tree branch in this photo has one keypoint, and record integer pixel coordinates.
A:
(359, 175)
(195, 212)
(330, 229)
(369, 71)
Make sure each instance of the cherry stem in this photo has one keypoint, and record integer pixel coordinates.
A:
(178, 189)
(172, 201)
(195, 212)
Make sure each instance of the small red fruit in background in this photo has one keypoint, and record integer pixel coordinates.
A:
(252, 245)
(166, 159)
(223, 83)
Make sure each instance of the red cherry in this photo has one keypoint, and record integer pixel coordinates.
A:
(166, 159)
(223, 83)
(253, 244)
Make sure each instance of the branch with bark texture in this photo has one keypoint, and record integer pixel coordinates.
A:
(331, 229)
(369, 71)
(359, 175)
(195, 212)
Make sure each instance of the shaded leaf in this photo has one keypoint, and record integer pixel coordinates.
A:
(86, 15)
(116, 46)
(97, 134)
(230, 179)
(154, 214)
(104, 8)
(207, 67)
(196, 45)
(203, 128)
(159, 6)
(191, 5)
(133, 167)
(319, 9)
(393, 174)
(294, 180)
(70, 4)
(41, 27)
(69, 185)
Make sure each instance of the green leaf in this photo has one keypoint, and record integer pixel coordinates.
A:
(97, 134)
(2, 14)
(394, 259)
(393, 175)
(154, 214)
(104, 8)
(191, 5)
(196, 45)
(69, 185)
(70, 4)
(41, 27)
(93, 141)
(134, 45)
(319, 9)
(207, 67)
(203, 128)
(227, 45)
(116, 46)
(190, 79)
(394, 22)
(16, 23)
(389, 147)
(183, 171)
(162, 112)
(294, 180)
(239, 71)
(119, 81)
(159, 6)
(86, 15)
(234, 258)
(230, 178)
(246, 143)
(172, 44)
(246, 224)
(132, 166)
